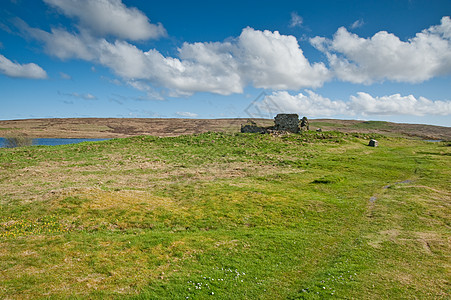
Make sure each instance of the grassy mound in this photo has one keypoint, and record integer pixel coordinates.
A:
(230, 216)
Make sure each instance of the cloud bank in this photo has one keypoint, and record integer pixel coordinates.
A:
(11, 69)
(385, 57)
(363, 104)
(263, 59)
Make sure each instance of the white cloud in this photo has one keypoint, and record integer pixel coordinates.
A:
(61, 43)
(385, 57)
(186, 114)
(396, 104)
(151, 93)
(12, 69)
(65, 76)
(264, 59)
(89, 97)
(296, 20)
(315, 105)
(357, 24)
(310, 104)
(110, 17)
(86, 96)
(274, 61)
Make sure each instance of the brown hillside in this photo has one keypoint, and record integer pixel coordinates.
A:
(115, 127)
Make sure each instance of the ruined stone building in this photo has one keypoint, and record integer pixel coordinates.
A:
(282, 122)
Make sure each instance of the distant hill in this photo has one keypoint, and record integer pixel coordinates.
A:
(126, 127)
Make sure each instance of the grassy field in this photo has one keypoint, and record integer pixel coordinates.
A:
(227, 216)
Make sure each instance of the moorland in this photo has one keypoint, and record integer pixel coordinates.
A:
(127, 127)
(220, 214)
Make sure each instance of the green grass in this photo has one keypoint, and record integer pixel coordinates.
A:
(372, 125)
(227, 216)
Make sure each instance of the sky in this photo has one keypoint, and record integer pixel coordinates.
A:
(366, 60)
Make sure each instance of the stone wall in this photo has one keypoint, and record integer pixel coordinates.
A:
(282, 123)
(287, 122)
(250, 128)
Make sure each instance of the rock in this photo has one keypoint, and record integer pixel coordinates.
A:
(287, 122)
(373, 143)
(304, 124)
(252, 129)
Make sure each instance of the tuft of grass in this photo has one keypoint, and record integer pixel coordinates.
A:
(329, 179)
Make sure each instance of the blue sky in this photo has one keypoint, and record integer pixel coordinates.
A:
(372, 60)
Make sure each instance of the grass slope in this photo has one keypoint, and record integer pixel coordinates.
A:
(227, 216)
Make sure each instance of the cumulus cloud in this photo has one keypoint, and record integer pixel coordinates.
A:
(110, 17)
(296, 20)
(385, 57)
(315, 105)
(396, 104)
(186, 114)
(61, 43)
(263, 59)
(12, 69)
(310, 104)
(271, 60)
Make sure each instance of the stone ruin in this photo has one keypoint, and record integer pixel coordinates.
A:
(287, 122)
(304, 124)
(282, 123)
(251, 127)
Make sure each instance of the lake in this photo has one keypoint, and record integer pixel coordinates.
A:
(54, 142)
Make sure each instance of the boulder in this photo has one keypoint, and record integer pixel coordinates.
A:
(304, 124)
(373, 143)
